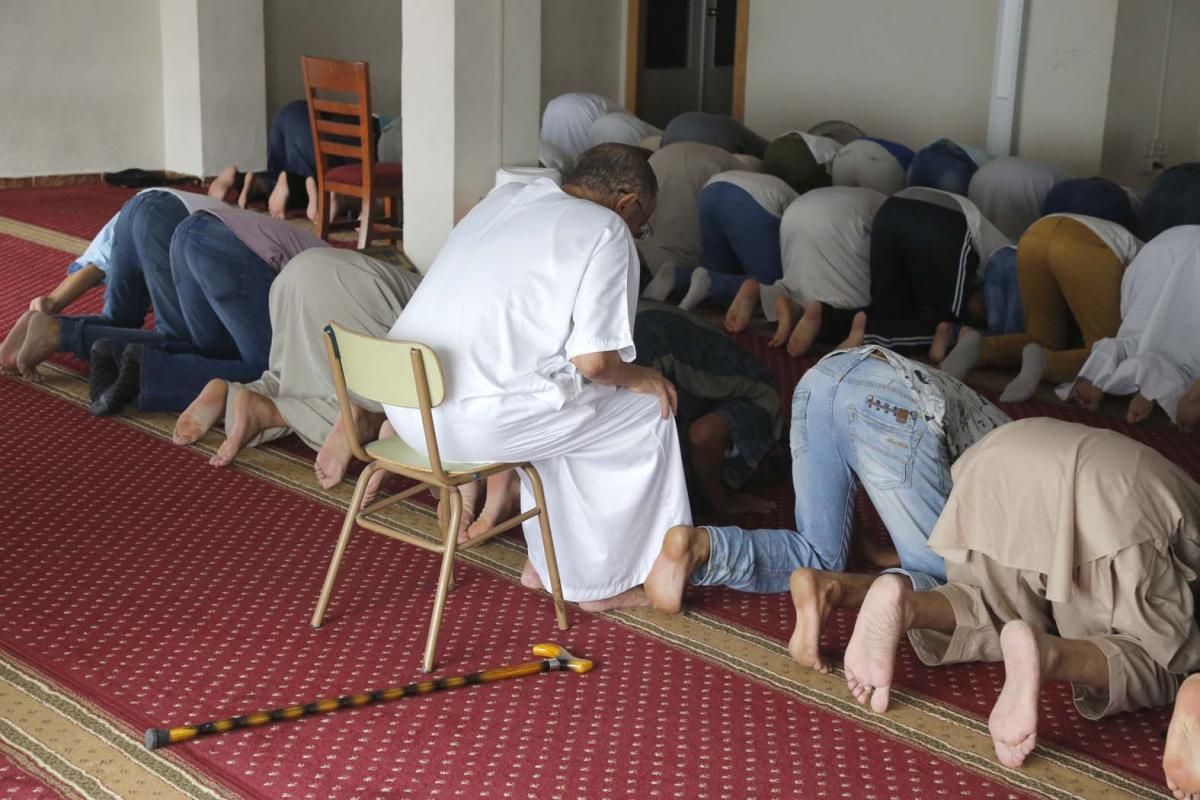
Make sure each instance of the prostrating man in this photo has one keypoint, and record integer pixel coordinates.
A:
(926, 249)
(1069, 266)
(1011, 191)
(1072, 555)
(1155, 355)
(131, 256)
(567, 123)
(865, 415)
(543, 282)
(621, 127)
(223, 261)
(872, 163)
(296, 393)
(800, 159)
(716, 130)
(682, 170)
(945, 164)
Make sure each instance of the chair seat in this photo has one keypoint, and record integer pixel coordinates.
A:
(387, 176)
(397, 451)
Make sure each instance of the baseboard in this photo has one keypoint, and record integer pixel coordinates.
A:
(80, 179)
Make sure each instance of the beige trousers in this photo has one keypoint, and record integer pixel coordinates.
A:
(1136, 606)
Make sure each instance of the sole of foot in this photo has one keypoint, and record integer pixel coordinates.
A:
(858, 332)
(741, 310)
(676, 561)
(41, 342)
(1181, 758)
(198, 418)
(871, 654)
(13, 341)
(806, 331)
(1013, 721)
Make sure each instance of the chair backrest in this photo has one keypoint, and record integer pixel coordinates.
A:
(340, 127)
(387, 370)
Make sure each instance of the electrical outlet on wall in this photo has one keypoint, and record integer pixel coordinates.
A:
(1155, 154)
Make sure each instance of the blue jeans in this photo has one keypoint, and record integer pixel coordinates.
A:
(139, 277)
(1002, 293)
(942, 165)
(224, 288)
(738, 239)
(853, 419)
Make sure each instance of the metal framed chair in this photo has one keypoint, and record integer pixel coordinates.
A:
(409, 374)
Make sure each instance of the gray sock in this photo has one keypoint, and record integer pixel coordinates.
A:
(1033, 366)
(698, 290)
(662, 283)
(965, 355)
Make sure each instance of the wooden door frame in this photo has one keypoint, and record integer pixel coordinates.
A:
(634, 55)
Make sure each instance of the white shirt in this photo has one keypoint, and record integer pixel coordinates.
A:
(529, 279)
(567, 121)
(621, 127)
(772, 194)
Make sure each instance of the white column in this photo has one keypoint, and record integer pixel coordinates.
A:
(214, 85)
(1005, 69)
(471, 87)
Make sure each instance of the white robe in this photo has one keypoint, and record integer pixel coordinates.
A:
(529, 279)
(568, 118)
(825, 241)
(621, 127)
(1156, 351)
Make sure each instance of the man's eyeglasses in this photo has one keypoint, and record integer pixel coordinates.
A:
(646, 229)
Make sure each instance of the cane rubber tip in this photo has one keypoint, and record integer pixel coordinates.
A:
(156, 738)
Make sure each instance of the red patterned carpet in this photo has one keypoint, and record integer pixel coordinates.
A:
(165, 591)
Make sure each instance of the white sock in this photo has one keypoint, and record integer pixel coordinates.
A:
(965, 355)
(698, 290)
(661, 285)
(1033, 366)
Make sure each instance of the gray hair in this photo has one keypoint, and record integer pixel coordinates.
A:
(613, 169)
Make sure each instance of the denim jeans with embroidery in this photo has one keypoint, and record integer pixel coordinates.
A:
(853, 419)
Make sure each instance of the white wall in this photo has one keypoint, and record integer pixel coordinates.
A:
(583, 48)
(183, 132)
(353, 30)
(81, 87)
(1141, 40)
(911, 71)
(232, 84)
(1065, 82)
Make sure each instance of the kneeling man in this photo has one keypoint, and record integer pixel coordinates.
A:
(1072, 554)
(530, 306)
(865, 415)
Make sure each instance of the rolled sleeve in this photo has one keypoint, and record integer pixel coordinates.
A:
(602, 319)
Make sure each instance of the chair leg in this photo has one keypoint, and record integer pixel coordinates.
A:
(445, 577)
(360, 489)
(364, 222)
(560, 608)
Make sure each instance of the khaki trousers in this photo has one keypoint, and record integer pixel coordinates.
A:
(1064, 270)
(1136, 606)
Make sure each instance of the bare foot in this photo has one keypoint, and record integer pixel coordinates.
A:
(247, 186)
(786, 312)
(41, 342)
(470, 505)
(1087, 394)
(1181, 759)
(806, 330)
(943, 340)
(253, 413)
(530, 579)
(1187, 413)
(12, 343)
(222, 183)
(814, 595)
(202, 414)
(684, 548)
(630, 598)
(310, 185)
(858, 332)
(503, 501)
(871, 654)
(1140, 407)
(277, 202)
(1014, 718)
(735, 503)
(334, 456)
(737, 318)
(876, 554)
(375, 483)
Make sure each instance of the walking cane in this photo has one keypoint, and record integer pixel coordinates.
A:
(554, 658)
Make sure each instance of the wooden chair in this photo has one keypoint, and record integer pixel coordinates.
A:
(343, 129)
(408, 374)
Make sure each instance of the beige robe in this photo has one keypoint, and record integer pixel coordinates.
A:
(1077, 530)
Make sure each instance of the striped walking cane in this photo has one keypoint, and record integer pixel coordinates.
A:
(554, 658)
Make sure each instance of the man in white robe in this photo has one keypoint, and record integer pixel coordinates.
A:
(530, 305)
(567, 123)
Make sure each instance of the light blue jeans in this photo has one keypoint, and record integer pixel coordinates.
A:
(853, 419)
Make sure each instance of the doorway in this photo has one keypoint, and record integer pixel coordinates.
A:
(686, 55)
